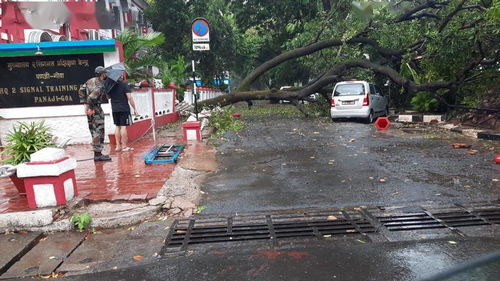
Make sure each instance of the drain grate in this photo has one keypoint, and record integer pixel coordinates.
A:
(490, 215)
(233, 229)
(460, 219)
(413, 221)
(450, 219)
(322, 223)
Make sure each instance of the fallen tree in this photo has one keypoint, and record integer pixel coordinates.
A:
(387, 62)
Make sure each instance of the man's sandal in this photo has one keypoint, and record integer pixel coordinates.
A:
(127, 149)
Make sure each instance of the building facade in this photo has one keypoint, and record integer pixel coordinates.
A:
(41, 36)
(26, 21)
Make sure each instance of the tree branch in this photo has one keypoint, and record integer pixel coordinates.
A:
(423, 15)
(393, 75)
(299, 106)
(324, 25)
(250, 78)
(472, 7)
(410, 14)
(332, 76)
(471, 25)
(448, 18)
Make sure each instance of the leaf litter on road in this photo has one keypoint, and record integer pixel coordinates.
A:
(461, 145)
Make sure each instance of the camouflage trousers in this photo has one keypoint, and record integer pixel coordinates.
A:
(96, 127)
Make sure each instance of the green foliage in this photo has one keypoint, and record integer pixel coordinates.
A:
(81, 221)
(221, 121)
(244, 34)
(173, 71)
(174, 17)
(320, 108)
(200, 209)
(424, 102)
(133, 43)
(25, 139)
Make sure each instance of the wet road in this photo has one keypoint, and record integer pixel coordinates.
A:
(287, 165)
(306, 260)
(284, 164)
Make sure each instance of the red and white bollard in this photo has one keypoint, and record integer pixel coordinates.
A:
(382, 123)
(192, 130)
(49, 180)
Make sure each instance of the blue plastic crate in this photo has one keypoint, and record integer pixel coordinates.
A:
(164, 153)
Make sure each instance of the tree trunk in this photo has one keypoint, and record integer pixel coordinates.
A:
(327, 5)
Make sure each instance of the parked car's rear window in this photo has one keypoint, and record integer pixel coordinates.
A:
(349, 90)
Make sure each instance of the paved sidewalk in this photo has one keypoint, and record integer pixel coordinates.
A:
(125, 178)
(41, 254)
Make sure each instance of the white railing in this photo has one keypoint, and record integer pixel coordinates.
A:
(143, 102)
(203, 94)
(164, 101)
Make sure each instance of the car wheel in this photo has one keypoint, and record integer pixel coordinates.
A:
(370, 117)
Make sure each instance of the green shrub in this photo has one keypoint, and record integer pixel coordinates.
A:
(81, 221)
(320, 108)
(25, 139)
(221, 122)
(424, 102)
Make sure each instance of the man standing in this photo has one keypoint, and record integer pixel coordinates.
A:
(91, 94)
(121, 96)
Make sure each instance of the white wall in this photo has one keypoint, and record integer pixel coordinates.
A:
(65, 121)
(69, 121)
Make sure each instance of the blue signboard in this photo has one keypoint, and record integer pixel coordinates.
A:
(200, 27)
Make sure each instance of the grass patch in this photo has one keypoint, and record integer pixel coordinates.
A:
(221, 122)
(172, 127)
(283, 111)
(267, 111)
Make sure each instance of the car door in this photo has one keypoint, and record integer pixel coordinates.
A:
(382, 99)
(374, 98)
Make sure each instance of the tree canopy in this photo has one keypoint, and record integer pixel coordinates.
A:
(448, 48)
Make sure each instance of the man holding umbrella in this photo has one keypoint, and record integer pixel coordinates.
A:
(92, 95)
(121, 97)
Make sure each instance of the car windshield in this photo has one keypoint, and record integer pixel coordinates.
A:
(349, 90)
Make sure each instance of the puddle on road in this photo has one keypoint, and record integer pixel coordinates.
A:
(421, 260)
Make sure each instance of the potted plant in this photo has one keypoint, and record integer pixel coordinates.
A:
(23, 140)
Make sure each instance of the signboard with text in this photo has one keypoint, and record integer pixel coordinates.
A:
(200, 30)
(45, 80)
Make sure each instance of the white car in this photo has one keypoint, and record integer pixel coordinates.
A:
(358, 99)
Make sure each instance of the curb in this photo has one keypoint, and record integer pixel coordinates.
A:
(410, 118)
(43, 220)
(126, 218)
(24, 220)
(474, 133)
(488, 136)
